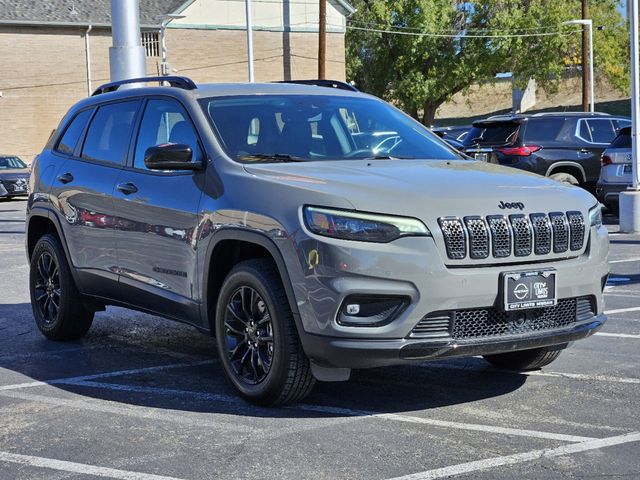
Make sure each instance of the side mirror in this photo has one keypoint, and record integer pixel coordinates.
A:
(170, 156)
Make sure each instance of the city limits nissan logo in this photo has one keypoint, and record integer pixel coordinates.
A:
(507, 205)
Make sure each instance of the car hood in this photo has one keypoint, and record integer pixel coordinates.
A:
(428, 189)
(14, 173)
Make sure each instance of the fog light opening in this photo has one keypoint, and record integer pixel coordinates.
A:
(371, 310)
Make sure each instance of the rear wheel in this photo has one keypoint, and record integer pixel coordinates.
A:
(57, 307)
(565, 178)
(257, 337)
(525, 359)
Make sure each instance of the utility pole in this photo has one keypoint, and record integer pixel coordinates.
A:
(585, 64)
(322, 40)
(126, 56)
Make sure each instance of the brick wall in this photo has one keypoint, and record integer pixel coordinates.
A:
(43, 70)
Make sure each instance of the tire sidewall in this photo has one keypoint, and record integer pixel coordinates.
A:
(276, 378)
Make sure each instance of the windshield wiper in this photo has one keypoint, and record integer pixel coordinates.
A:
(388, 157)
(274, 157)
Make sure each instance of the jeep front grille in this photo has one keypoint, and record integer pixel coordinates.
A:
(477, 323)
(518, 235)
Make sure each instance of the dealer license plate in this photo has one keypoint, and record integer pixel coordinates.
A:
(627, 168)
(525, 290)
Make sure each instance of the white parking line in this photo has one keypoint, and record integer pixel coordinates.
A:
(118, 373)
(618, 335)
(341, 411)
(622, 310)
(488, 463)
(634, 259)
(81, 468)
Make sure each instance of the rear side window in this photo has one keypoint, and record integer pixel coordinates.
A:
(545, 130)
(69, 140)
(492, 134)
(600, 130)
(109, 133)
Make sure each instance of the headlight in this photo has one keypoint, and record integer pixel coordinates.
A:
(363, 227)
(595, 216)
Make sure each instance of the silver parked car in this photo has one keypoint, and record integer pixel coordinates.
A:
(272, 217)
(615, 175)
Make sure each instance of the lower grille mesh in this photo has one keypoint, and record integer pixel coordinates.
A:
(490, 322)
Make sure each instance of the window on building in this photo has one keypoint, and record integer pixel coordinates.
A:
(151, 43)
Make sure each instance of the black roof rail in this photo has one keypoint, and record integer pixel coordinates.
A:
(324, 83)
(175, 81)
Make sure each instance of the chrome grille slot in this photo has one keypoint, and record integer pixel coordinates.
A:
(454, 237)
(560, 232)
(522, 235)
(500, 235)
(542, 233)
(478, 237)
(576, 230)
(433, 325)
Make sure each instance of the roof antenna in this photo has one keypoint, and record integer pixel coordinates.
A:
(72, 10)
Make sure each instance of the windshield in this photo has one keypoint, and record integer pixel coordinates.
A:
(7, 163)
(269, 128)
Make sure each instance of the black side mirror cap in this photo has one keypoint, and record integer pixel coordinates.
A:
(170, 156)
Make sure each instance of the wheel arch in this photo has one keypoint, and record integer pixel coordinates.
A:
(572, 168)
(226, 249)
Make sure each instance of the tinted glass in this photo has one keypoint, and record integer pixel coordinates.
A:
(7, 163)
(319, 127)
(601, 130)
(164, 121)
(621, 123)
(545, 130)
(108, 135)
(492, 134)
(69, 140)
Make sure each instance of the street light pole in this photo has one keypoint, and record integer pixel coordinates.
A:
(630, 200)
(589, 23)
(126, 56)
(164, 66)
(249, 40)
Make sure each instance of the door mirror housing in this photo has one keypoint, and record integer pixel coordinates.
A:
(170, 156)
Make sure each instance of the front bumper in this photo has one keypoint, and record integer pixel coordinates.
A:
(352, 353)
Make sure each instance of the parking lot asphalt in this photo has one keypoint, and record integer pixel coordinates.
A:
(142, 398)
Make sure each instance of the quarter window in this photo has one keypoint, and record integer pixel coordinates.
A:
(109, 133)
(601, 130)
(164, 121)
(70, 138)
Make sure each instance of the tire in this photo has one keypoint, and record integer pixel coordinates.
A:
(525, 359)
(57, 307)
(565, 178)
(263, 360)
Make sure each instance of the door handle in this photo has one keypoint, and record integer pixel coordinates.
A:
(584, 150)
(65, 178)
(127, 188)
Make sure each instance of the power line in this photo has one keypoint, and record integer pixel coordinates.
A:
(458, 31)
(460, 34)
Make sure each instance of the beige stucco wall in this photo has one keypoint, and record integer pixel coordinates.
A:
(44, 70)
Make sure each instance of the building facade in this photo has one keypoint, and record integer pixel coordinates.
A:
(54, 53)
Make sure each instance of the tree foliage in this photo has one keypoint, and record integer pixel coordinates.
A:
(420, 72)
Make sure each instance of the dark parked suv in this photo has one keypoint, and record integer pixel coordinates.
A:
(311, 230)
(564, 146)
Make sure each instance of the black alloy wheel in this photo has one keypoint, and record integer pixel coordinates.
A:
(249, 335)
(47, 287)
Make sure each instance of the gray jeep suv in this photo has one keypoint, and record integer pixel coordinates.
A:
(311, 230)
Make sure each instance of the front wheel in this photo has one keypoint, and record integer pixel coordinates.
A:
(525, 359)
(57, 307)
(257, 337)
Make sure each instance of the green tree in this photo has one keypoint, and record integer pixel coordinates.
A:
(448, 45)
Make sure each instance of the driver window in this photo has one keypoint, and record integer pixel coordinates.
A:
(164, 121)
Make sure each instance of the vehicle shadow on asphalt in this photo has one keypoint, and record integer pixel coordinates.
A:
(113, 346)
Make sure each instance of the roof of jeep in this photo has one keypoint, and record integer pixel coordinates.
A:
(229, 89)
